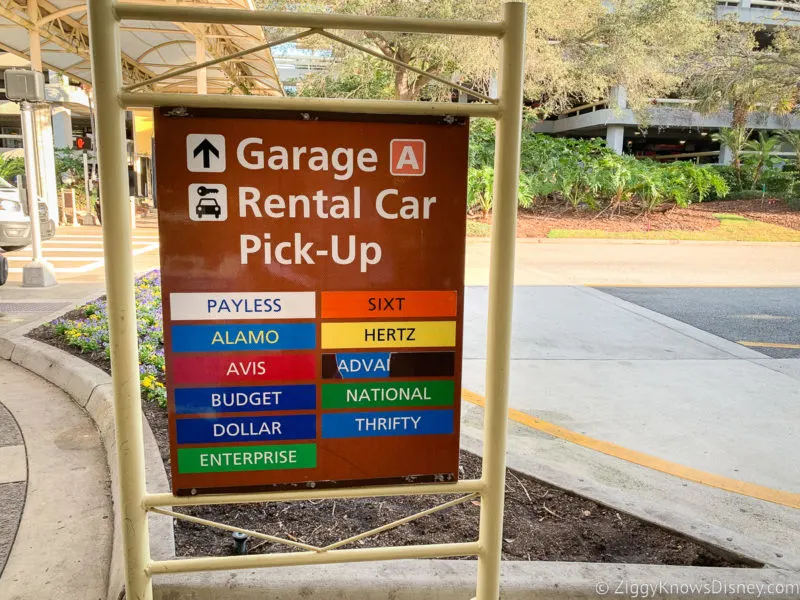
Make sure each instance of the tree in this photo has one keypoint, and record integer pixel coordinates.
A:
(11, 167)
(576, 49)
(792, 138)
(762, 150)
(362, 76)
(734, 139)
(69, 166)
(734, 73)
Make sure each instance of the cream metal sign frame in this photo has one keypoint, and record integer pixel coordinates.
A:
(112, 101)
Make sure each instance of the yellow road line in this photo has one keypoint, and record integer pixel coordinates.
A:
(645, 460)
(709, 286)
(769, 345)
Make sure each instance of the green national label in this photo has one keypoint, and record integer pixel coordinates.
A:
(247, 458)
(388, 393)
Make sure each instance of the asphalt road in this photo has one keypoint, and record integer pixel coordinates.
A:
(768, 316)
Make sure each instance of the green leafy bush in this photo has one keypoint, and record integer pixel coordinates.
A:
(780, 184)
(11, 167)
(480, 188)
(586, 174)
(745, 195)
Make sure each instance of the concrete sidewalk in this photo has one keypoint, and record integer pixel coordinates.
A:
(63, 544)
(610, 370)
(636, 262)
(21, 306)
(13, 481)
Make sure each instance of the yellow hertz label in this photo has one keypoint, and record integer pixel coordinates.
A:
(394, 334)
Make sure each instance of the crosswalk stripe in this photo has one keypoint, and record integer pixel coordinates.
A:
(53, 258)
(57, 249)
(98, 237)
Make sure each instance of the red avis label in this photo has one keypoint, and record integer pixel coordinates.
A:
(242, 368)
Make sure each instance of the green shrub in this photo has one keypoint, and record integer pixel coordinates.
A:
(780, 184)
(745, 195)
(480, 188)
(587, 174)
(11, 167)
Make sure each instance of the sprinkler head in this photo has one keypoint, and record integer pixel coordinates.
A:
(240, 542)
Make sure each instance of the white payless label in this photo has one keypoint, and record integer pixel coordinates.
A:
(241, 306)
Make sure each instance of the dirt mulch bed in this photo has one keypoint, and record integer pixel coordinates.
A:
(542, 522)
(773, 211)
(538, 222)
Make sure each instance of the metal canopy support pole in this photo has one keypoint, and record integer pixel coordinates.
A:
(199, 57)
(86, 190)
(501, 290)
(117, 246)
(34, 43)
(38, 272)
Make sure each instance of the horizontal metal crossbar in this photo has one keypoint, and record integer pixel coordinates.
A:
(386, 107)
(311, 547)
(224, 527)
(232, 16)
(285, 559)
(405, 65)
(216, 61)
(399, 522)
(466, 486)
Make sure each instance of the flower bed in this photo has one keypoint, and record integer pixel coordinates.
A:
(87, 329)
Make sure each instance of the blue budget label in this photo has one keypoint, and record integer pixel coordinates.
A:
(245, 399)
(383, 423)
(246, 429)
(232, 338)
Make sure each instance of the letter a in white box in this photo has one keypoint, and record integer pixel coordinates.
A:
(407, 157)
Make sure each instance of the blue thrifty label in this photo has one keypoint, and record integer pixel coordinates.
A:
(385, 423)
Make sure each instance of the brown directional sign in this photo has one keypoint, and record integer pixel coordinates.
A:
(312, 279)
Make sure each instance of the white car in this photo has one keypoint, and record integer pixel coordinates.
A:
(15, 225)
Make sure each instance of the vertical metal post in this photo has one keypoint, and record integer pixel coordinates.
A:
(199, 57)
(31, 177)
(38, 272)
(34, 43)
(501, 290)
(117, 245)
(86, 190)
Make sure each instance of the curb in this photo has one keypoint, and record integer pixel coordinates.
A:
(718, 538)
(454, 580)
(90, 388)
(704, 337)
(631, 242)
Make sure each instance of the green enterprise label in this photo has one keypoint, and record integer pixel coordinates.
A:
(247, 458)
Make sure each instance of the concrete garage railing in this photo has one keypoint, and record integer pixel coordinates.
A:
(768, 4)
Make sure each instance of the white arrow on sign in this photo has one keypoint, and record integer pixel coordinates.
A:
(205, 153)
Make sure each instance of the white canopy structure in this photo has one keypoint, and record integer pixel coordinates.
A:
(148, 49)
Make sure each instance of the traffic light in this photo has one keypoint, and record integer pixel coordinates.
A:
(83, 143)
